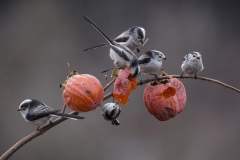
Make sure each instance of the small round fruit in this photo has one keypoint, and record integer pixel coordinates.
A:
(165, 101)
(83, 93)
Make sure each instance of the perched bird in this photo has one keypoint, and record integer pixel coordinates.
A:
(133, 38)
(39, 114)
(151, 62)
(192, 64)
(110, 112)
(121, 55)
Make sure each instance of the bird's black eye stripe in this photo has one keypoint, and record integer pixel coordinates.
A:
(133, 28)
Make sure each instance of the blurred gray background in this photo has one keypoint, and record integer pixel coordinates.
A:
(39, 38)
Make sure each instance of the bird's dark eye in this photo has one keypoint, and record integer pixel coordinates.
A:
(194, 56)
(160, 56)
(139, 38)
(23, 109)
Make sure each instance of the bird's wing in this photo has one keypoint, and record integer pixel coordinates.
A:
(144, 60)
(120, 52)
(39, 111)
(123, 37)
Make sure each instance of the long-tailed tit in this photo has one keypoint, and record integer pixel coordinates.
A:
(192, 64)
(39, 114)
(110, 112)
(151, 62)
(121, 55)
(134, 38)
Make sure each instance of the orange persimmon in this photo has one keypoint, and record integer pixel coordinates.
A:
(123, 86)
(165, 101)
(83, 93)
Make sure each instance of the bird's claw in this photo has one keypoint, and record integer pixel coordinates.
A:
(181, 76)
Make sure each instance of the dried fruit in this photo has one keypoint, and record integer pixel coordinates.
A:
(83, 93)
(165, 101)
(123, 86)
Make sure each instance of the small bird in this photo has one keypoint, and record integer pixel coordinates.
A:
(121, 55)
(192, 64)
(151, 62)
(110, 112)
(39, 114)
(134, 38)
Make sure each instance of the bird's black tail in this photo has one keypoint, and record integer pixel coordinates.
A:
(96, 27)
(107, 70)
(115, 122)
(98, 46)
(70, 116)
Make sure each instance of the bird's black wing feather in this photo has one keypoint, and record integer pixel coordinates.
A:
(144, 60)
(119, 51)
(36, 115)
(121, 39)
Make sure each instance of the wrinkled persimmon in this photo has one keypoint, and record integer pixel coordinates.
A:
(83, 93)
(123, 86)
(165, 101)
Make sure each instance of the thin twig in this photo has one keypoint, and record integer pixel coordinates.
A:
(64, 108)
(108, 96)
(39, 132)
(109, 84)
(106, 78)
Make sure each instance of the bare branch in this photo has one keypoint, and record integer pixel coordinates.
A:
(108, 96)
(64, 108)
(109, 84)
(201, 78)
(33, 135)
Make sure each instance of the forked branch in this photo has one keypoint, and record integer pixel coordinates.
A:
(39, 132)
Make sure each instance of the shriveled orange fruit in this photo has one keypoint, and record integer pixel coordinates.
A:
(123, 86)
(165, 101)
(83, 93)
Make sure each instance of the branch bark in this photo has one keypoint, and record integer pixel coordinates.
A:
(41, 131)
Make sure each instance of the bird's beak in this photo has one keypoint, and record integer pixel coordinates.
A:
(142, 41)
(19, 110)
(165, 58)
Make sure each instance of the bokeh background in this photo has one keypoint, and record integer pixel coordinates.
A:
(39, 38)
